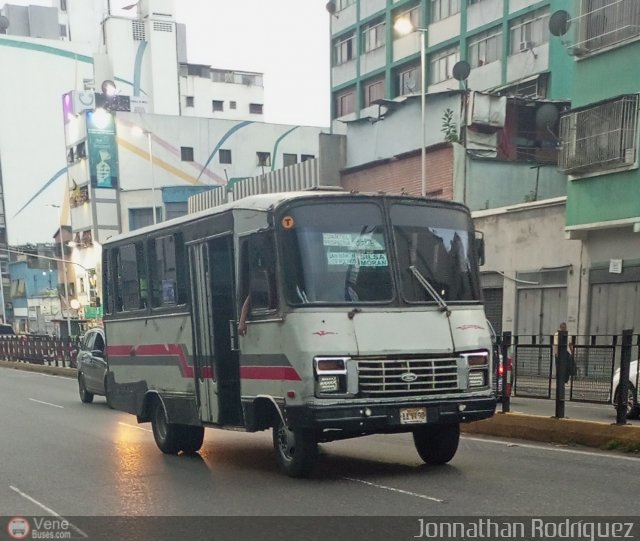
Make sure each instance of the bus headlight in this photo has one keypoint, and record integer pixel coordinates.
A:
(478, 365)
(330, 375)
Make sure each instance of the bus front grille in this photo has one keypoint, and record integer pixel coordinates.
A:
(379, 378)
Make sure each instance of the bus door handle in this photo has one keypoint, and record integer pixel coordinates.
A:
(233, 334)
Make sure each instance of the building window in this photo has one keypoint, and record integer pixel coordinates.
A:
(190, 101)
(344, 50)
(604, 23)
(441, 65)
(186, 154)
(343, 4)
(255, 108)
(529, 31)
(224, 155)
(373, 36)
(264, 159)
(305, 157)
(485, 48)
(63, 5)
(345, 103)
(232, 105)
(600, 137)
(408, 81)
(441, 9)
(217, 105)
(412, 15)
(373, 91)
(289, 159)
(63, 30)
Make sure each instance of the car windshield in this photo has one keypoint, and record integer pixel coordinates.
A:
(335, 253)
(438, 243)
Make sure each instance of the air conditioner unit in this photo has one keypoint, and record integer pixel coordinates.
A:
(526, 45)
(83, 100)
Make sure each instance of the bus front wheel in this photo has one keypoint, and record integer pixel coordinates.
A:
(296, 450)
(437, 444)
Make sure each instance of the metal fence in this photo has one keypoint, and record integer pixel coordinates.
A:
(596, 359)
(43, 350)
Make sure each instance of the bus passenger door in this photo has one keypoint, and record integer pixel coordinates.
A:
(202, 323)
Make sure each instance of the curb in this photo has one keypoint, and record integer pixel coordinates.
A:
(51, 370)
(552, 430)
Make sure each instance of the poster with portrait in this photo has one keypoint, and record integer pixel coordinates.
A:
(103, 149)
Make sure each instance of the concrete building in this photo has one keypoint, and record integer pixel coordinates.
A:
(600, 155)
(34, 290)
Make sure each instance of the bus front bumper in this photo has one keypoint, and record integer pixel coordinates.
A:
(372, 417)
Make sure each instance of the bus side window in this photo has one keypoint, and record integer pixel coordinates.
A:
(258, 273)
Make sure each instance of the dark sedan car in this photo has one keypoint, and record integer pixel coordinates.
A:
(92, 366)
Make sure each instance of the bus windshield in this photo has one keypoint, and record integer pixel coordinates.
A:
(438, 243)
(336, 253)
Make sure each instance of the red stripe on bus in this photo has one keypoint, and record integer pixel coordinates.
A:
(269, 372)
(159, 350)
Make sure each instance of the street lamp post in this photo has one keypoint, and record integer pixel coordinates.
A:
(423, 92)
(405, 26)
(153, 181)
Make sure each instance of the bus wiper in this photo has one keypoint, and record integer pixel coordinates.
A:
(430, 289)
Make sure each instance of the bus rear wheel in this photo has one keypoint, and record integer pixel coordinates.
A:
(191, 438)
(437, 444)
(167, 435)
(296, 450)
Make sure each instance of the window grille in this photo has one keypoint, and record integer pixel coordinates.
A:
(599, 137)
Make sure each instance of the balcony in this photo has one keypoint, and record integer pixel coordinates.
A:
(600, 137)
(607, 24)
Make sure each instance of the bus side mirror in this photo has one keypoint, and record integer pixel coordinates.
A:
(479, 243)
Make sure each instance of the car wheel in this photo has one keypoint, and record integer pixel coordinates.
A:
(167, 435)
(296, 450)
(85, 396)
(437, 444)
(633, 408)
(106, 394)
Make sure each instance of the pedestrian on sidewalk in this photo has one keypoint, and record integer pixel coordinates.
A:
(570, 363)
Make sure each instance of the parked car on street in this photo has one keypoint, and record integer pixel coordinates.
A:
(92, 366)
(499, 366)
(633, 408)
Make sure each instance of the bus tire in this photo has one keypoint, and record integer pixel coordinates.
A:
(296, 450)
(191, 438)
(437, 444)
(86, 397)
(167, 435)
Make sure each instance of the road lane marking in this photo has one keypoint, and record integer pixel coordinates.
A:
(392, 489)
(134, 426)
(46, 403)
(47, 509)
(557, 449)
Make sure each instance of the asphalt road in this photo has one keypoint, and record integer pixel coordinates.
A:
(63, 457)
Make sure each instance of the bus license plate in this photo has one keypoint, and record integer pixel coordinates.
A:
(413, 416)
